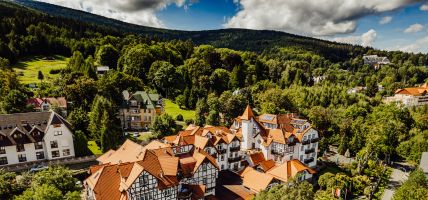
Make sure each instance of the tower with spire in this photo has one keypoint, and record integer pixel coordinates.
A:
(248, 130)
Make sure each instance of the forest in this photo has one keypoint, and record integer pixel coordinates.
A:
(218, 83)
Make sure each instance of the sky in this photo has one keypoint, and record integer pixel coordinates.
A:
(382, 24)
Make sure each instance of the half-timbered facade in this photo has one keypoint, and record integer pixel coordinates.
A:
(177, 172)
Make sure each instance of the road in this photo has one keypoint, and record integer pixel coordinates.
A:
(398, 176)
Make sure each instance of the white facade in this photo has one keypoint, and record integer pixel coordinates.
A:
(408, 100)
(303, 145)
(22, 145)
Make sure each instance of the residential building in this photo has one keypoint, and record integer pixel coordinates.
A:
(281, 137)
(35, 136)
(139, 109)
(58, 104)
(375, 60)
(154, 171)
(219, 141)
(410, 97)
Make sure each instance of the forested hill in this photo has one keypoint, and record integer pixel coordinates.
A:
(238, 39)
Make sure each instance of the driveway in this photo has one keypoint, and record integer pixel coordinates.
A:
(398, 176)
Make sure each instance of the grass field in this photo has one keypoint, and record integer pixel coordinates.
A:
(95, 149)
(173, 109)
(28, 68)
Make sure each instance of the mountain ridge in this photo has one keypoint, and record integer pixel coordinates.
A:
(234, 38)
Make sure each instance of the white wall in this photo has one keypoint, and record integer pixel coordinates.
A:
(65, 141)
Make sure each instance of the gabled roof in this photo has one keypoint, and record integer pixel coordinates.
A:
(414, 91)
(105, 182)
(248, 113)
(255, 180)
(289, 169)
(129, 152)
(257, 157)
(26, 123)
(267, 165)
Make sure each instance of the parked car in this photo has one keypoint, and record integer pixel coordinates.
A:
(37, 168)
(136, 134)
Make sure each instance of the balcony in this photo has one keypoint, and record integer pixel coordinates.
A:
(235, 159)
(233, 149)
(275, 152)
(308, 151)
(309, 160)
(222, 151)
(306, 141)
(313, 140)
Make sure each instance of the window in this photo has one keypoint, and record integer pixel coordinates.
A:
(167, 192)
(38, 145)
(3, 160)
(301, 157)
(66, 152)
(204, 181)
(54, 144)
(40, 155)
(20, 148)
(222, 167)
(145, 179)
(2, 150)
(22, 158)
(301, 148)
(55, 154)
(56, 133)
(222, 157)
(204, 167)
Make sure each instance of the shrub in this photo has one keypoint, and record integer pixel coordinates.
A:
(54, 71)
(189, 121)
(179, 117)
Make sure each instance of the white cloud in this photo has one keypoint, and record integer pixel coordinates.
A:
(419, 46)
(385, 20)
(310, 17)
(366, 39)
(414, 28)
(142, 12)
(424, 7)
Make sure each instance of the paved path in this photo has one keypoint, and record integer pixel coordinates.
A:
(398, 176)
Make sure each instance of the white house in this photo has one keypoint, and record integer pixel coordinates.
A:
(410, 97)
(279, 137)
(35, 136)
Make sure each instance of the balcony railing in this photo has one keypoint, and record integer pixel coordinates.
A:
(309, 160)
(222, 151)
(235, 159)
(311, 150)
(233, 149)
(306, 142)
(313, 140)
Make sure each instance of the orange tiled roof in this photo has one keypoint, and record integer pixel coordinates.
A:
(414, 91)
(106, 181)
(255, 180)
(267, 165)
(257, 158)
(129, 152)
(288, 169)
(241, 191)
(248, 113)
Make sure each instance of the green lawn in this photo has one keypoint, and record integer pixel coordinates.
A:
(28, 68)
(172, 109)
(95, 149)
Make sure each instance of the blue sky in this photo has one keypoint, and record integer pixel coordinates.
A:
(383, 24)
